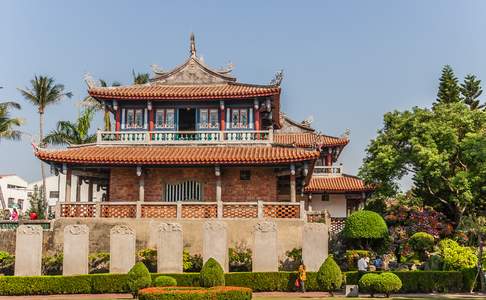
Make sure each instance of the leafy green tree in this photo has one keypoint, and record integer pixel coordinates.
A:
(138, 278)
(38, 203)
(8, 124)
(471, 90)
(474, 227)
(365, 228)
(449, 90)
(73, 133)
(421, 242)
(91, 102)
(444, 151)
(140, 78)
(43, 91)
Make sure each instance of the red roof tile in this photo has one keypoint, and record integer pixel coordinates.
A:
(184, 92)
(160, 155)
(308, 139)
(338, 184)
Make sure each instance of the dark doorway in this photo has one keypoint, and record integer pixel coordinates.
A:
(187, 119)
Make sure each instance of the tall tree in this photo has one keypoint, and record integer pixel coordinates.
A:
(93, 103)
(140, 78)
(443, 150)
(471, 90)
(449, 90)
(43, 91)
(73, 133)
(474, 227)
(9, 124)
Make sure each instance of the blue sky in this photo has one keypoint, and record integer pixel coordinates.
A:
(346, 63)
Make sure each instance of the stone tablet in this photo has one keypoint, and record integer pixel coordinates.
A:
(314, 245)
(122, 249)
(28, 250)
(76, 250)
(170, 246)
(265, 257)
(215, 242)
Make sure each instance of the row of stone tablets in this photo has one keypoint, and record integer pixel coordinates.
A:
(28, 254)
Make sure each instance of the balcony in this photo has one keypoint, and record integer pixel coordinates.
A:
(328, 171)
(184, 137)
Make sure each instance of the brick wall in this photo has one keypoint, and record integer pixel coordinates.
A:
(261, 186)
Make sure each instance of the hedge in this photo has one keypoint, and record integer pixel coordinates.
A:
(196, 293)
(413, 282)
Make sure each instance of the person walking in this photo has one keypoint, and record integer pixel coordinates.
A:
(302, 277)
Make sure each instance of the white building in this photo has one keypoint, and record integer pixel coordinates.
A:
(13, 192)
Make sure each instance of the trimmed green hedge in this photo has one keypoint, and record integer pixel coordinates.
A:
(196, 293)
(413, 282)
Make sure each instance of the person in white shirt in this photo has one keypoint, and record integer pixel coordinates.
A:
(362, 264)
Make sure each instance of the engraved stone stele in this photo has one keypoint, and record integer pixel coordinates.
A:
(28, 250)
(314, 245)
(215, 242)
(169, 248)
(265, 255)
(76, 250)
(122, 249)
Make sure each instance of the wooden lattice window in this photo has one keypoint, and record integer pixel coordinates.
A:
(183, 191)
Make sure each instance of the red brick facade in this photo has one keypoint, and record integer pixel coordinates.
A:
(124, 183)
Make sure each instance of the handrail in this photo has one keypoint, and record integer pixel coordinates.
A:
(328, 170)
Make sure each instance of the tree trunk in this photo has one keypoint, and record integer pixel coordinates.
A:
(480, 263)
(43, 168)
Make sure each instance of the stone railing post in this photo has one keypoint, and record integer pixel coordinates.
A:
(220, 209)
(179, 210)
(97, 210)
(302, 210)
(57, 210)
(261, 213)
(138, 210)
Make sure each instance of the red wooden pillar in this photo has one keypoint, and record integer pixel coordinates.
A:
(257, 119)
(223, 119)
(151, 119)
(118, 119)
(329, 158)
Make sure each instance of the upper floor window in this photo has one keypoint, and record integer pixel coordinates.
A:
(208, 118)
(134, 118)
(164, 118)
(11, 202)
(239, 118)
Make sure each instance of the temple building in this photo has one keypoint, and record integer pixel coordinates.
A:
(194, 142)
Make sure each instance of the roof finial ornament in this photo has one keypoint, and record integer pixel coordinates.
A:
(193, 45)
(346, 134)
(89, 80)
(277, 80)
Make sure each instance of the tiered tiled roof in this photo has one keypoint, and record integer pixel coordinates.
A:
(309, 139)
(228, 90)
(339, 184)
(160, 155)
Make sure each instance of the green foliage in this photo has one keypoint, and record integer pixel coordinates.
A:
(212, 274)
(69, 133)
(444, 151)
(365, 224)
(165, 281)
(449, 91)
(384, 283)
(38, 203)
(352, 257)
(191, 293)
(421, 242)
(7, 263)
(457, 257)
(138, 278)
(471, 90)
(149, 258)
(240, 259)
(99, 263)
(8, 124)
(191, 263)
(329, 276)
(292, 260)
(52, 265)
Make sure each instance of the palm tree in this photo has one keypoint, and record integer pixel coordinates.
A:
(140, 78)
(43, 92)
(7, 123)
(73, 133)
(91, 102)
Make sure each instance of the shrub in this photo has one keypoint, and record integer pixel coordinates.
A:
(457, 257)
(421, 242)
(149, 258)
(182, 279)
(99, 263)
(7, 263)
(365, 226)
(52, 265)
(138, 278)
(240, 259)
(352, 257)
(292, 261)
(191, 263)
(329, 276)
(212, 274)
(162, 281)
(191, 293)
(385, 283)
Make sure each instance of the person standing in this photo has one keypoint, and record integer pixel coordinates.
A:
(15, 214)
(362, 264)
(302, 276)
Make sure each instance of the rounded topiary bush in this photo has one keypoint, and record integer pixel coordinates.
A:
(329, 276)
(211, 274)
(421, 242)
(165, 281)
(138, 278)
(365, 224)
(384, 283)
